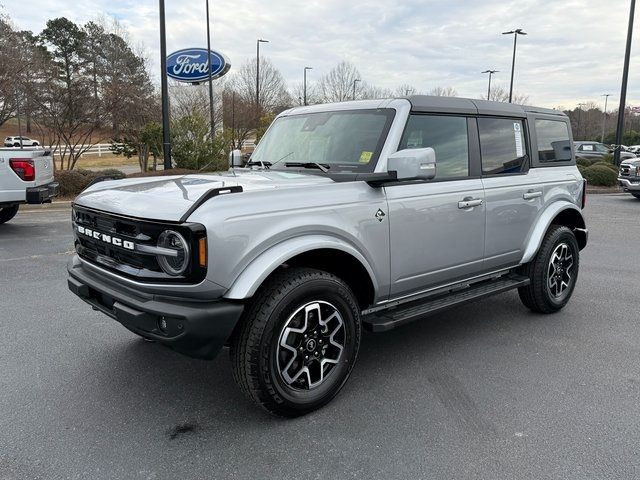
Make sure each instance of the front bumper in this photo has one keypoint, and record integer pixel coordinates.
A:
(43, 193)
(195, 328)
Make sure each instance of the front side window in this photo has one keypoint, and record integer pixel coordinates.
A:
(343, 141)
(448, 136)
(553, 141)
(503, 146)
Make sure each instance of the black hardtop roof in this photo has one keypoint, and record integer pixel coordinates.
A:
(426, 103)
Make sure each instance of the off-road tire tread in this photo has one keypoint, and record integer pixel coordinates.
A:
(245, 348)
(533, 296)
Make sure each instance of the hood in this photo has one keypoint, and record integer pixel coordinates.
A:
(169, 198)
(631, 161)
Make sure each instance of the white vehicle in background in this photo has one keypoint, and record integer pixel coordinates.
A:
(16, 141)
(26, 176)
(634, 149)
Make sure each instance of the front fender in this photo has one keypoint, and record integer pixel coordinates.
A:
(261, 267)
(542, 225)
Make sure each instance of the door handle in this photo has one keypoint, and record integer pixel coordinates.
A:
(530, 195)
(470, 203)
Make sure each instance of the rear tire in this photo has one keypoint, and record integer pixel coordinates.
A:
(298, 342)
(553, 272)
(637, 195)
(8, 213)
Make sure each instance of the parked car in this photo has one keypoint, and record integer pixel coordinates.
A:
(367, 214)
(26, 176)
(635, 149)
(16, 141)
(629, 177)
(598, 150)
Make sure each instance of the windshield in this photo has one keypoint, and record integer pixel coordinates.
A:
(341, 141)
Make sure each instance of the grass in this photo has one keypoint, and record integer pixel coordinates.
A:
(105, 161)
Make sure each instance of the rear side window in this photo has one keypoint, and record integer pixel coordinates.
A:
(503, 146)
(553, 141)
(448, 136)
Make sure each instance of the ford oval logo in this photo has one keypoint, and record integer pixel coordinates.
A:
(191, 65)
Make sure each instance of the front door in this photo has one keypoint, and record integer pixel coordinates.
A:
(437, 228)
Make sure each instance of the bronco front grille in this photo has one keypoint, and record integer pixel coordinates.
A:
(114, 242)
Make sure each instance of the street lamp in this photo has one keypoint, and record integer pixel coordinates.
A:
(491, 73)
(166, 134)
(213, 125)
(580, 105)
(604, 117)
(515, 34)
(305, 84)
(258, 42)
(625, 79)
(354, 87)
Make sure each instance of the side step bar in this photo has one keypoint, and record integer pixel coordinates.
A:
(394, 317)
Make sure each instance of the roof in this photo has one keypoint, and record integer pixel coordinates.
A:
(426, 103)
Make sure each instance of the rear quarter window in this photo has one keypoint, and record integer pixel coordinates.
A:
(554, 144)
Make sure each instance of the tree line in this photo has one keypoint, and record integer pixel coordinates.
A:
(77, 85)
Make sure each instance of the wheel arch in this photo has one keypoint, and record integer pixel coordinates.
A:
(323, 253)
(560, 213)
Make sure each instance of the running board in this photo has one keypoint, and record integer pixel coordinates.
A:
(394, 317)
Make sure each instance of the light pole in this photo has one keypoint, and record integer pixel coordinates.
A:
(166, 134)
(623, 91)
(515, 34)
(258, 42)
(580, 105)
(213, 124)
(491, 73)
(305, 85)
(604, 117)
(354, 87)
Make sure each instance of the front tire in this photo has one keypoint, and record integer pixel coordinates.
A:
(8, 213)
(553, 272)
(637, 195)
(298, 342)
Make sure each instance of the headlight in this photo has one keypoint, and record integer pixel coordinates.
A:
(174, 264)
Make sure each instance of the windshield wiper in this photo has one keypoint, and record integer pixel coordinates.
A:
(319, 166)
(264, 165)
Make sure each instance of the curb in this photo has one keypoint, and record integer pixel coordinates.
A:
(57, 205)
(604, 191)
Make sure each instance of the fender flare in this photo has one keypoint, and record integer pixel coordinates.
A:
(250, 279)
(542, 225)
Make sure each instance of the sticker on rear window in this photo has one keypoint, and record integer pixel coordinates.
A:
(517, 131)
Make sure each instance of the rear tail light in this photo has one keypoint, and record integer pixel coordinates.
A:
(584, 193)
(24, 168)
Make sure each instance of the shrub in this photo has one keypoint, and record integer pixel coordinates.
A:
(113, 173)
(600, 175)
(72, 182)
(608, 165)
(586, 162)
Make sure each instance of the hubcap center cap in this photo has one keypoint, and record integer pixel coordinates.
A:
(311, 345)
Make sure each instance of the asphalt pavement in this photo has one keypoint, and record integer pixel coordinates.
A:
(483, 391)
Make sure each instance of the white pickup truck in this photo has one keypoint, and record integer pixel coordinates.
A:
(26, 176)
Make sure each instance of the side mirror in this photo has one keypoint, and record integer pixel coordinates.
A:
(235, 158)
(413, 164)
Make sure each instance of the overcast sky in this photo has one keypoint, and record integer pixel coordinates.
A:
(574, 51)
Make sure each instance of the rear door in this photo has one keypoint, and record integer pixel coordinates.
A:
(436, 237)
(514, 195)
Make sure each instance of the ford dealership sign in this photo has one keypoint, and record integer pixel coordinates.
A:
(191, 65)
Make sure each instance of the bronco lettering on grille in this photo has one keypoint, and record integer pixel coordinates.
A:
(118, 242)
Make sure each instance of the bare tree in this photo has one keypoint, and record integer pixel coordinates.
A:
(186, 100)
(406, 90)
(273, 90)
(239, 118)
(338, 85)
(501, 94)
(443, 92)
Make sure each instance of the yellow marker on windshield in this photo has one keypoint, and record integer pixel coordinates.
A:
(365, 157)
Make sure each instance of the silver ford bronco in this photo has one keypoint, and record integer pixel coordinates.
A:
(367, 214)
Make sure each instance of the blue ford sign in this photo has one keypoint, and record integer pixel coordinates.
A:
(191, 65)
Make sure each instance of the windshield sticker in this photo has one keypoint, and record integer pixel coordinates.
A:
(365, 157)
(517, 130)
